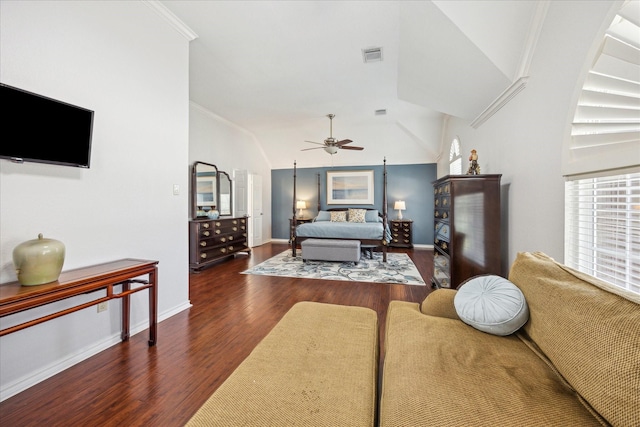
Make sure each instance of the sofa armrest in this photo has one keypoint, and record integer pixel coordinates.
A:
(440, 303)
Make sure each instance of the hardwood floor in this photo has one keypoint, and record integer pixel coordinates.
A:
(136, 385)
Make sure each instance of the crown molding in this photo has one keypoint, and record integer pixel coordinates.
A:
(172, 19)
(502, 100)
(535, 28)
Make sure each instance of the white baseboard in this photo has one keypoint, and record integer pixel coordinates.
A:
(423, 247)
(54, 368)
(280, 241)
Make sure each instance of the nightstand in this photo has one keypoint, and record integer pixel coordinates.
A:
(401, 233)
(298, 222)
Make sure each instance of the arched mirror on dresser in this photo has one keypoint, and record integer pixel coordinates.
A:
(204, 189)
(224, 190)
(214, 234)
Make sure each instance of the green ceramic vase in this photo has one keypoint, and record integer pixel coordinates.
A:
(38, 261)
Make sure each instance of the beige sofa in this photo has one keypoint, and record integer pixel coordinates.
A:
(576, 362)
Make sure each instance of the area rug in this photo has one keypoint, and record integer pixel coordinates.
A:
(398, 269)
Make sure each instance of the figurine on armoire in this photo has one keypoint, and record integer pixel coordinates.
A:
(474, 167)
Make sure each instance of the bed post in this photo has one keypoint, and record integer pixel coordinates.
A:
(294, 220)
(318, 193)
(384, 212)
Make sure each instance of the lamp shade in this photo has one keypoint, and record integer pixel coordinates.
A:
(301, 204)
(400, 205)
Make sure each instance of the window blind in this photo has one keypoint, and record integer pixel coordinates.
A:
(602, 228)
(605, 132)
(455, 158)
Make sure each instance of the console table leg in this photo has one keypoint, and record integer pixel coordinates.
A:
(125, 312)
(153, 306)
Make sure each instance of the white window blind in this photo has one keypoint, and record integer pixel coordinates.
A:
(602, 228)
(455, 158)
(605, 132)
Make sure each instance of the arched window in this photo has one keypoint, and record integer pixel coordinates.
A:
(455, 159)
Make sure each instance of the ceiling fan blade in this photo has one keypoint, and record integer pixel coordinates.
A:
(313, 142)
(343, 142)
(314, 148)
(350, 147)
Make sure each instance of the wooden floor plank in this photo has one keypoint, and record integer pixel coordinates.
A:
(136, 385)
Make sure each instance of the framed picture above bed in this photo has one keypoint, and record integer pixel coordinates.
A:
(350, 187)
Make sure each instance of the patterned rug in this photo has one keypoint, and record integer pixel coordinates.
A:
(398, 269)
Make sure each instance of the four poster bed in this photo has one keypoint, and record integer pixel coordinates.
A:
(369, 226)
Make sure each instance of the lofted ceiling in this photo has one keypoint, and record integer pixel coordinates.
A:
(277, 68)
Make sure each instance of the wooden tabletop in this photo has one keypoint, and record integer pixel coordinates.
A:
(14, 291)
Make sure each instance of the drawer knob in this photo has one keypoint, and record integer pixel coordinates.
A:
(235, 228)
(224, 239)
(217, 231)
(223, 250)
(230, 237)
(234, 221)
(205, 225)
(218, 224)
(203, 256)
(206, 233)
(203, 244)
(230, 248)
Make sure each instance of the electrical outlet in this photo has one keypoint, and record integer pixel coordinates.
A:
(102, 307)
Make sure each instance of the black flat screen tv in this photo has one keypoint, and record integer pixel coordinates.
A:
(34, 128)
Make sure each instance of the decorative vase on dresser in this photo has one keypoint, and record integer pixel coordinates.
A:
(212, 240)
(467, 228)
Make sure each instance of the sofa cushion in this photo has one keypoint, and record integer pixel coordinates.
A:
(440, 303)
(491, 304)
(317, 367)
(440, 372)
(588, 330)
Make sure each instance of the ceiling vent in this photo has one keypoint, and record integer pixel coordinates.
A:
(380, 112)
(372, 54)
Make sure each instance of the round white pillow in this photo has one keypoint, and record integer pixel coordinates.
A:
(491, 304)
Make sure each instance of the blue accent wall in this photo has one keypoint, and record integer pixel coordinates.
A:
(411, 183)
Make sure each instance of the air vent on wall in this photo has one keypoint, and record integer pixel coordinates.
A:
(372, 54)
(380, 112)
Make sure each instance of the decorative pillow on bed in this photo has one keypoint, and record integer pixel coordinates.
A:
(339, 216)
(357, 215)
(323, 216)
(371, 215)
(491, 304)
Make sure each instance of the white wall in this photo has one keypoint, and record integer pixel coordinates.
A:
(212, 139)
(523, 141)
(123, 61)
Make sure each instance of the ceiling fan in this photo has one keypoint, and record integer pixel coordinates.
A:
(331, 145)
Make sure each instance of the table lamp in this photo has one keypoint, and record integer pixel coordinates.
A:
(400, 206)
(300, 205)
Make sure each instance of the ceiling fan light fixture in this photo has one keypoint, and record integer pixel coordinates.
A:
(331, 149)
(372, 54)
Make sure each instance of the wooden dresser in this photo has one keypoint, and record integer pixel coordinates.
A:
(401, 233)
(467, 228)
(211, 240)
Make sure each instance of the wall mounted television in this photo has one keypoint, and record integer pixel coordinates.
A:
(35, 128)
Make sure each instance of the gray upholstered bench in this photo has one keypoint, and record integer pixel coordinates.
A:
(331, 250)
